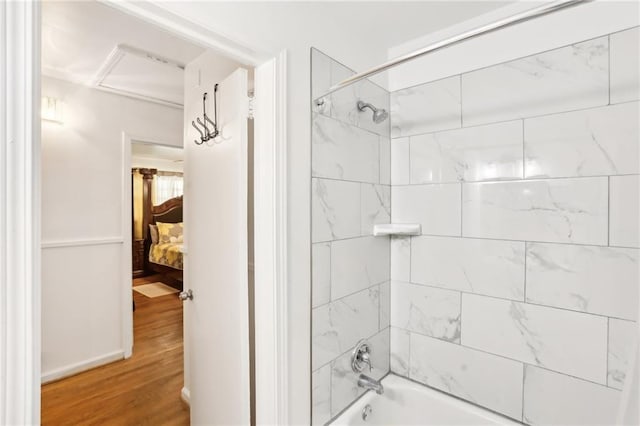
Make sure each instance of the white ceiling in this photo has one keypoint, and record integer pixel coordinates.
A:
(79, 36)
(154, 151)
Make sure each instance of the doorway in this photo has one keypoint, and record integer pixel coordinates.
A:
(22, 204)
(143, 81)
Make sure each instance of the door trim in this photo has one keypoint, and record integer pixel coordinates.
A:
(20, 213)
(270, 242)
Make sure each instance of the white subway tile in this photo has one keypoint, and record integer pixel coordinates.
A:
(555, 399)
(426, 310)
(358, 263)
(321, 273)
(625, 65)
(624, 199)
(593, 142)
(385, 305)
(335, 207)
(435, 207)
(321, 395)
(623, 337)
(484, 379)
(490, 267)
(491, 152)
(563, 79)
(556, 210)
(342, 151)
(401, 258)
(569, 342)
(426, 108)
(399, 361)
(337, 326)
(400, 161)
(375, 206)
(385, 160)
(344, 382)
(598, 280)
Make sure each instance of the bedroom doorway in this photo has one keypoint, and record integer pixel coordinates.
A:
(157, 188)
(157, 245)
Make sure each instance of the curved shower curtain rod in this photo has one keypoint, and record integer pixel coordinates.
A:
(485, 29)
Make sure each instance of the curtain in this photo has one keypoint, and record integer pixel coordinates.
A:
(167, 185)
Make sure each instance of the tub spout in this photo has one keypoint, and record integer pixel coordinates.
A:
(369, 383)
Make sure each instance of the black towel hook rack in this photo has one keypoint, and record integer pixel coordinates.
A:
(206, 134)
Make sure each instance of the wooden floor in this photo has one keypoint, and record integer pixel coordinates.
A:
(142, 390)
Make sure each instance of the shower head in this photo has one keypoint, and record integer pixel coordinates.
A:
(379, 115)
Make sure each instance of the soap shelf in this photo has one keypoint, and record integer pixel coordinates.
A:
(396, 229)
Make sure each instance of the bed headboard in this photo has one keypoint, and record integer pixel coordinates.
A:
(168, 212)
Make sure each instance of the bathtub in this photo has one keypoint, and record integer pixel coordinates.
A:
(407, 403)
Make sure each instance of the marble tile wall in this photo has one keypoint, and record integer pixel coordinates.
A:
(350, 192)
(521, 294)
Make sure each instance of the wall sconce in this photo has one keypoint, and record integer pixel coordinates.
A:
(52, 110)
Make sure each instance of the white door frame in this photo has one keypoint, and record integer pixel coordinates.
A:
(127, 272)
(20, 213)
(20, 208)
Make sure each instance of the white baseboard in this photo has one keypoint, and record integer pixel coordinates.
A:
(88, 364)
(185, 395)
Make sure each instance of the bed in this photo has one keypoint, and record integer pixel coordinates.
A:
(164, 240)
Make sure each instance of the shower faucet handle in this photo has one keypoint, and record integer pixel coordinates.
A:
(361, 356)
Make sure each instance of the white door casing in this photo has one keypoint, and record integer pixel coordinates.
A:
(270, 242)
(216, 262)
(19, 213)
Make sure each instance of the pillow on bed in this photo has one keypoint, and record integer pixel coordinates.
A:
(170, 232)
(153, 232)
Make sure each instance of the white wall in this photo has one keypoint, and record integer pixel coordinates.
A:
(157, 163)
(83, 229)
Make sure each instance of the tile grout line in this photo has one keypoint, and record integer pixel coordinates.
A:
(330, 269)
(350, 294)
(466, 182)
(517, 301)
(461, 209)
(461, 115)
(470, 237)
(526, 252)
(509, 180)
(504, 357)
(609, 66)
(524, 369)
(606, 379)
(524, 160)
(460, 319)
(609, 211)
(527, 118)
(511, 60)
(409, 355)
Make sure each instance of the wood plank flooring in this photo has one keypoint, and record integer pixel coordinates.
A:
(142, 390)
